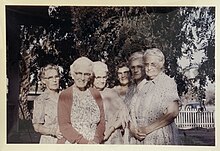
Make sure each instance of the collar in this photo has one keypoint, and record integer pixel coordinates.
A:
(48, 96)
(157, 78)
(141, 84)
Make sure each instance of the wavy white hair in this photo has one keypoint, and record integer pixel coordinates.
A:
(98, 65)
(155, 52)
(82, 60)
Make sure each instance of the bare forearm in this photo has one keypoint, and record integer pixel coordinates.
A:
(168, 117)
(161, 122)
(45, 130)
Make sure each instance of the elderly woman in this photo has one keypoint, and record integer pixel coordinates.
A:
(123, 73)
(136, 65)
(45, 106)
(154, 113)
(114, 107)
(80, 108)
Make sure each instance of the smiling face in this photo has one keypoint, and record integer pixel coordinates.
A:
(82, 75)
(137, 69)
(153, 66)
(123, 75)
(51, 79)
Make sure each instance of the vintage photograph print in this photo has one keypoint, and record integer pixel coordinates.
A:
(110, 75)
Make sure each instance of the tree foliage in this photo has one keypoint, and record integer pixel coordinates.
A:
(111, 34)
(198, 28)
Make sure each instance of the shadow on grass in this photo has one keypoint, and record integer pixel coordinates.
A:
(198, 136)
(23, 132)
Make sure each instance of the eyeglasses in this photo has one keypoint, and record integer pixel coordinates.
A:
(99, 77)
(136, 67)
(80, 74)
(153, 65)
(125, 72)
(57, 77)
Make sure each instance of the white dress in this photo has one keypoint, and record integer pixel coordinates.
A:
(149, 104)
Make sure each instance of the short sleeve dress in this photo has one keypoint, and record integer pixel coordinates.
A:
(149, 104)
(45, 112)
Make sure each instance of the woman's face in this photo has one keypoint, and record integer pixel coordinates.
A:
(153, 66)
(51, 79)
(81, 76)
(100, 79)
(137, 69)
(123, 75)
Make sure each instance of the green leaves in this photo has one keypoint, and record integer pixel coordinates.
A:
(111, 34)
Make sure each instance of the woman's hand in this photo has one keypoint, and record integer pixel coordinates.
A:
(58, 134)
(92, 142)
(114, 123)
(124, 116)
(120, 118)
(108, 132)
(135, 132)
(144, 130)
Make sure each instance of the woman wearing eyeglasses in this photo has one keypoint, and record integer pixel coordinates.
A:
(123, 74)
(80, 108)
(116, 114)
(45, 106)
(153, 114)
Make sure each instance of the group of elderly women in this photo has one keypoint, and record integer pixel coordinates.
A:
(140, 110)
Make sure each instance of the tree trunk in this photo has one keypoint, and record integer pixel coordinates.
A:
(24, 85)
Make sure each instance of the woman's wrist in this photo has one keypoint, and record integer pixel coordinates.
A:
(53, 131)
(112, 128)
(147, 130)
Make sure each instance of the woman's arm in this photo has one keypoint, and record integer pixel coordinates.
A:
(134, 131)
(117, 111)
(54, 131)
(39, 118)
(170, 114)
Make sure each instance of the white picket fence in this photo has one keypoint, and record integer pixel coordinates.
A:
(191, 119)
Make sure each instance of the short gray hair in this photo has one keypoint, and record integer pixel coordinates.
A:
(80, 61)
(155, 52)
(48, 67)
(100, 66)
(136, 55)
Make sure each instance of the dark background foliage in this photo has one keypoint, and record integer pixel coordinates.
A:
(38, 35)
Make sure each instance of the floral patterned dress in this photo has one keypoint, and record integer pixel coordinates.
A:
(45, 112)
(149, 104)
(85, 114)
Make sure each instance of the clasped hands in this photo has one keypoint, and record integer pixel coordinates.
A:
(139, 132)
(121, 118)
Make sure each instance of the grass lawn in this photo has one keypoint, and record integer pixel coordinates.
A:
(198, 137)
